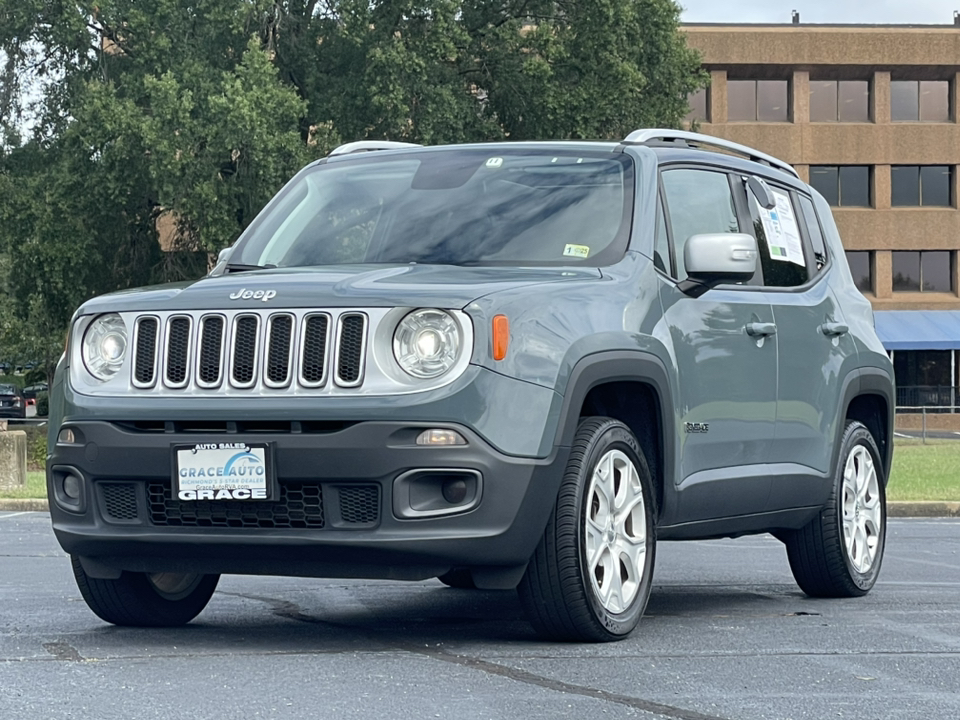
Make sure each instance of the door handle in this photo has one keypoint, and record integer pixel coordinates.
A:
(759, 329)
(834, 329)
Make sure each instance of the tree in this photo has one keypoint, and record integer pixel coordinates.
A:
(200, 110)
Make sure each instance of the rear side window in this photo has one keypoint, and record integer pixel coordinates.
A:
(779, 240)
(698, 202)
(814, 231)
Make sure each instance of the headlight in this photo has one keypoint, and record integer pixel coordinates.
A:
(427, 343)
(105, 346)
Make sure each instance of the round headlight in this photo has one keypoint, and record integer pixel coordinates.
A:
(427, 343)
(105, 346)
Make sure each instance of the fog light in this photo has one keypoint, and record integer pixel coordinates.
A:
(454, 491)
(71, 487)
(440, 437)
(66, 436)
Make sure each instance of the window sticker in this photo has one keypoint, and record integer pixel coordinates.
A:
(494, 162)
(783, 233)
(577, 251)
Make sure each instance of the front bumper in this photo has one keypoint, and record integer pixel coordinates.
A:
(500, 531)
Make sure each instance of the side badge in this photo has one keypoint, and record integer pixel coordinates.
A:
(696, 427)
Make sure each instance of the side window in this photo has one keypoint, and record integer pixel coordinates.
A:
(814, 231)
(661, 251)
(699, 202)
(779, 241)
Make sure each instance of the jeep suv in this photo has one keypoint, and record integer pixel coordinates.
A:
(505, 365)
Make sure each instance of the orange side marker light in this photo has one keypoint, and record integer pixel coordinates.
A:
(501, 336)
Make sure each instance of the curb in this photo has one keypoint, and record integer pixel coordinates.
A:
(894, 509)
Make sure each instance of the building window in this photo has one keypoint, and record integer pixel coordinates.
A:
(839, 101)
(842, 186)
(918, 371)
(861, 268)
(698, 107)
(916, 185)
(757, 100)
(922, 271)
(920, 101)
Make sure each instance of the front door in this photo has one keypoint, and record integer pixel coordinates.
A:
(725, 347)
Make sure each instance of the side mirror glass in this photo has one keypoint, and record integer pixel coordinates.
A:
(716, 259)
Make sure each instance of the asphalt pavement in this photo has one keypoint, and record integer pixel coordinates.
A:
(727, 635)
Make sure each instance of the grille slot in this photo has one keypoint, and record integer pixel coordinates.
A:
(120, 500)
(210, 357)
(245, 334)
(145, 347)
(178, 351)
(300, 506)
(279, 350)
(313, 360)
(359, 504)
(351, 344)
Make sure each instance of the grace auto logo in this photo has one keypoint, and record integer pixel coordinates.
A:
(244, 294)
(230, 481)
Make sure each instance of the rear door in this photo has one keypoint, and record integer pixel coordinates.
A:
(814, 347)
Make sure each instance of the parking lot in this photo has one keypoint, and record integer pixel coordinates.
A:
(727, 635)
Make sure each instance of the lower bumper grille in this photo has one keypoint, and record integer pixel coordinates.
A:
(300, 506)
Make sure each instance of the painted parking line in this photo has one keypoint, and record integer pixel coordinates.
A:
(896, 434)
(13, 515)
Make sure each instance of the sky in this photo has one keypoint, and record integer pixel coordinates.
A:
(937, 12)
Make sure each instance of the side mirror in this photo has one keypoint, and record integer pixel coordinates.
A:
(716, 259)
(224, 254)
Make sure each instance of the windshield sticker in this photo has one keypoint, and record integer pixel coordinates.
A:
(494, 162)
(577, 251)
(782, 232)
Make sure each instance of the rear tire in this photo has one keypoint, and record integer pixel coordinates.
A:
(589, 579)
(839, 553)
(146, 599)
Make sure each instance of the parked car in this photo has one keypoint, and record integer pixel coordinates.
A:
(506, 365)
(12, 404)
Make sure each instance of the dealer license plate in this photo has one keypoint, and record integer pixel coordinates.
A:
(223, 471)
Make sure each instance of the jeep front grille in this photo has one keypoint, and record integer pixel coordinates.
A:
(249, 350)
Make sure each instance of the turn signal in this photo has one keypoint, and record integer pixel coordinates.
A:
(501, 336)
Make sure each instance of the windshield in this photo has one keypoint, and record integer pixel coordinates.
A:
(8, 390)
(452, 207)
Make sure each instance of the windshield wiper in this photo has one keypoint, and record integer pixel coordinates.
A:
(240, 267)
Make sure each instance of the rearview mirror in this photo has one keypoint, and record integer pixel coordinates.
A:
(762, 192)
(716, 259)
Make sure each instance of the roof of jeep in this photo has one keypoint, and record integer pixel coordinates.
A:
(665, 152)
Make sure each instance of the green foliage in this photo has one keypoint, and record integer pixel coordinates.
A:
(197, 112)
(43, 405)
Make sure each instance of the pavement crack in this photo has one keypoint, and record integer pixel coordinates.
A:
(292, 611)
(63, 651)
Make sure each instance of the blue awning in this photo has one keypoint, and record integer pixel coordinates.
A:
(919, 329)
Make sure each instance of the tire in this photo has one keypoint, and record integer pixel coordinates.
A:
(839, 553)
(146, 600)
(459, 578)
(585, 586)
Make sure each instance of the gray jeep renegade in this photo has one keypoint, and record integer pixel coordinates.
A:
(506, 365)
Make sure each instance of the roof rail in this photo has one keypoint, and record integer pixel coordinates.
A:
(370, 145)
(690, 139)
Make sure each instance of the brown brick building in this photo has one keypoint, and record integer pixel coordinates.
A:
(869, 116)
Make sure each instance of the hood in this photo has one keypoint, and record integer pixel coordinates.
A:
(444, 286)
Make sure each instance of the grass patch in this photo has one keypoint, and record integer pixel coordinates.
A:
(925, 472)
(920, 472)
(36, 487)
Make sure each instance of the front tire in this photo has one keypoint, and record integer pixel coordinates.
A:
(146, 599)
(589, 579)
(838, 554)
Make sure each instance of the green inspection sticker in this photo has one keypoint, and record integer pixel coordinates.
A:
(577, 251)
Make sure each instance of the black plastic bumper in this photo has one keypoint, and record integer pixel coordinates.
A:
(500, 531)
